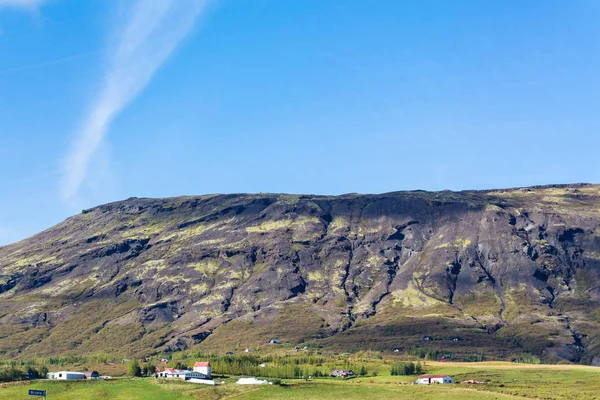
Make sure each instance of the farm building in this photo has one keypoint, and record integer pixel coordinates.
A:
(170, 373)
(343, 373)
(91, 374)
(431, 379)
(66, 375)
(274, 341)
(203, 368)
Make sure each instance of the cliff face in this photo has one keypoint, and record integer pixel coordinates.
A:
(500, 272)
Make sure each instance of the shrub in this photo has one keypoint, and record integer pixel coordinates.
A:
(31, 373)
(133, 369)
(43, 371)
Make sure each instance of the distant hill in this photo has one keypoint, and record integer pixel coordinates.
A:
(502, 272)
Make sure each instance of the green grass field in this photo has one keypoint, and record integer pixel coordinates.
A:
(503, 381)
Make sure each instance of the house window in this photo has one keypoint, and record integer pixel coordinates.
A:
(60, 375)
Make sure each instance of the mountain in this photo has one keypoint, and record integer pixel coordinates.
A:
(503, 272)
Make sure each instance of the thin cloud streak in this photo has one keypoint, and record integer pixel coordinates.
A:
(151, 31)
(48, 63)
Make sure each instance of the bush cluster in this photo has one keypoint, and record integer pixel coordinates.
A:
(12, 374)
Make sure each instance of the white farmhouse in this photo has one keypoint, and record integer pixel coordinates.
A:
(203, 368)
(66, 375)
(431, 379)
(170, 373)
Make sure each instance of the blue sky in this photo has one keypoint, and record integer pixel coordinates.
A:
(103, 100)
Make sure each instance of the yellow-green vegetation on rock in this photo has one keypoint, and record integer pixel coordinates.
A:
(412, 297)
(459, 243)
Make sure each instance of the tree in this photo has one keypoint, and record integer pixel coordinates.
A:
(133, 369)
(43, 372)
(31, 373)
(419, 368)
(362, 371)
(150, 369)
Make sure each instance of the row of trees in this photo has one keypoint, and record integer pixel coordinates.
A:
(292, 359)
(12, 374)
(429, 353)
(407, 368)
(527, 358)
(134, 369)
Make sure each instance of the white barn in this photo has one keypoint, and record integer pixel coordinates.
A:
(431, 379)
(66, 375)
(203, 368)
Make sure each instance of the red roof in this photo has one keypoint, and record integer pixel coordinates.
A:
(169, 370)
(202, 364)
(432, 376)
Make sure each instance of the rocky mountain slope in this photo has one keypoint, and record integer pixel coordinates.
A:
(501, 272)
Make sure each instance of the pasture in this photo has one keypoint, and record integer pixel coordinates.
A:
(502, 381)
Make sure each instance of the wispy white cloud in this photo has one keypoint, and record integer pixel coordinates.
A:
(150, 32)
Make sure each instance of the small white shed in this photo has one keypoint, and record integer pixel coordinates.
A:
(432, 379)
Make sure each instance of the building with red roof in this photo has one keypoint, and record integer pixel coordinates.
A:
(203, 367)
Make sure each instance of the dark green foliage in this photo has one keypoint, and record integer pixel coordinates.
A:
(526, 358)
(11, 374)
(31, 373)
(406, 368)
(133, 369)
(275, 366)
(43, 371)
(149, 368)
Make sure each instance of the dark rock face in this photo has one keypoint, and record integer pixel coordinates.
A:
(507, 271)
